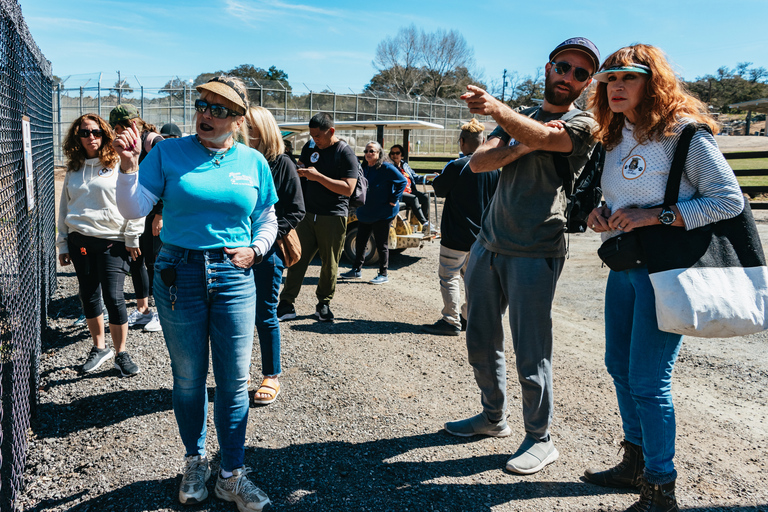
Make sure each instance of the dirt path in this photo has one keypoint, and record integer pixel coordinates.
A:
(358, 424)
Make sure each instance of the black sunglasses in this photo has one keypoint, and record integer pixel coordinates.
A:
(580, 74)
(395, 153)
(217, 111)
(84, 134)
(371, 151)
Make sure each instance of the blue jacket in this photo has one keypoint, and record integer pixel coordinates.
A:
(385, 186)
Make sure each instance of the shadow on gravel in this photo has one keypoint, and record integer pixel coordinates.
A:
(341, 325)
(370, 476)
(101, 410)
(138, 496)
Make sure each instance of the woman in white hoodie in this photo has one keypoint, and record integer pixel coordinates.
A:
(95, 238)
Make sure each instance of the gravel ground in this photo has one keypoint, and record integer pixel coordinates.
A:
(358, 424)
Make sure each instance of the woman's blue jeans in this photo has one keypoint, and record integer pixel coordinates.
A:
(268, 276)
(210, 303)
(640, 358)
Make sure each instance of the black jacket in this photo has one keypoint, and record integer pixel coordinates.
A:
(289, 208)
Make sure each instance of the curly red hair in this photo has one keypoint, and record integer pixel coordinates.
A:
(664, 103)
(73, 148)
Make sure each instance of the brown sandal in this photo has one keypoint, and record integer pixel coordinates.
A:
(266, 389)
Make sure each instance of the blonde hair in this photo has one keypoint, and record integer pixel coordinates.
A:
(271, 144)
(75, 152)
(665, 100)
(239, 134)
(473, 126)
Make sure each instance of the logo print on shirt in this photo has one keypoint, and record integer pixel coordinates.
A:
(633, 167)
(314, 157)
(237, 178)
(106, 173)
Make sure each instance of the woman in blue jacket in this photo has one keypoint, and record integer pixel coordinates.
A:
(385, 188)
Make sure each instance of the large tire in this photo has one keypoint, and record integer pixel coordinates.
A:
(371, 254)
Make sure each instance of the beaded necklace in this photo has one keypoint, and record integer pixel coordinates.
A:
(217, 156)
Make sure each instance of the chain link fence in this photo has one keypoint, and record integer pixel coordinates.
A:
(27, 236)
(175, 104)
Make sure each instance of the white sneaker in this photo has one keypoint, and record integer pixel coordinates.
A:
(196, 473)
(136, 317)
(154, 324)
(242, 491)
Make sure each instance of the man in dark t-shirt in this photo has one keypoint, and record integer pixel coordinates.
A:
(515, 263)
(328, 171)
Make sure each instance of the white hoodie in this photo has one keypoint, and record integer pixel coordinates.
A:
(88, 207)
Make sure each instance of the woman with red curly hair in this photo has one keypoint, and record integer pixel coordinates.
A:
(641, 108)
(95, 238)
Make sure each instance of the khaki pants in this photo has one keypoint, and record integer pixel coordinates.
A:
(453, 264)
(317, 233)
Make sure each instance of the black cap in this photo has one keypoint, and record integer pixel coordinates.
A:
(170, 130)
(581, 44)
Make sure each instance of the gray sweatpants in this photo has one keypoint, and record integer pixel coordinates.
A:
(527, 286)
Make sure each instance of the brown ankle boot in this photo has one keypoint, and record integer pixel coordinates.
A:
(627, 474)
(656, 498)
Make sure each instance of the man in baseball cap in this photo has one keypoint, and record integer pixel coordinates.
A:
(122, 114)
(519, 253)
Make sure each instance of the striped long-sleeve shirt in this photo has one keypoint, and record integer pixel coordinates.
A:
(635, 176)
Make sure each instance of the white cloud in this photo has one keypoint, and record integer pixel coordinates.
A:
(261, 9)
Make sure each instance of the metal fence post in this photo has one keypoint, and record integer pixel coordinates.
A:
(183, 105)
(142, 102)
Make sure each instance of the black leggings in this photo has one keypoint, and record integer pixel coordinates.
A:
(380, 230)
(143, 267)
(418, 202)
(100, 264)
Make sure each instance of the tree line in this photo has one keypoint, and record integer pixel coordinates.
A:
(440, 64)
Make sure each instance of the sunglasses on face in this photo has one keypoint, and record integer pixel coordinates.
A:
(84, 134)
(580, 74)
(394, 153)
(371, 151)
(217, 111)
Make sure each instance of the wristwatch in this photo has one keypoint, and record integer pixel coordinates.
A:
(257, 256)
(667, 216)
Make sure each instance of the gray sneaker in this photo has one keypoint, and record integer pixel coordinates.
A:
(478, 425)
(154, 324)
(242, 491)
(125, 364)
(96, 358)
(532, 456)
(196, 473)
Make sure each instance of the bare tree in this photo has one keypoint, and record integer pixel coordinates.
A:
(398, 58)
(442, 53)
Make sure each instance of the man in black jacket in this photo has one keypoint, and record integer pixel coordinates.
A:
(466, 196)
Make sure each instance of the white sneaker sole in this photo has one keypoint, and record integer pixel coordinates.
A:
(552, 457)
(505, 432)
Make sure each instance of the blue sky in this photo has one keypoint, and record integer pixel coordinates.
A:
(331, 44)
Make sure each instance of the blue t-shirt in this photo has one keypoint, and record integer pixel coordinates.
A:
(207, 206)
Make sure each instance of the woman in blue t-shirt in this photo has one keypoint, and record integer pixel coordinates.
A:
(385, 188)
(218, 221)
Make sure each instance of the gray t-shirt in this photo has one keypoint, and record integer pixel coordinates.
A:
(527, 215)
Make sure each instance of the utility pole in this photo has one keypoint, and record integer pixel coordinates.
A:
(503, 85)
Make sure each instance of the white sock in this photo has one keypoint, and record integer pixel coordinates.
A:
(225, 474)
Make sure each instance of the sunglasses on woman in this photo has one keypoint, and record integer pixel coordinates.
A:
(580, 74)
(84, 134)
(217, 111)
(371, 151)
(394, 153)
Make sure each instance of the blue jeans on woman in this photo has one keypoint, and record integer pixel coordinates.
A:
(640, 358)
(268, 276)
(209, 300)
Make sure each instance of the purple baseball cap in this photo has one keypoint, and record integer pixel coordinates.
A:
(581, 44)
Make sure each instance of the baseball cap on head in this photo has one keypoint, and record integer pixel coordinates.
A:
(581, 44)
(122, 113)
(170, 130)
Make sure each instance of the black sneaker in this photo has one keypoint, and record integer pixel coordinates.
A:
(442, 328)
(323, 312)
(96, 358)
(463, 324)
(285, 311)
(125, 364)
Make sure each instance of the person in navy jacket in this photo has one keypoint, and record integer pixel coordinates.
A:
(385, 188)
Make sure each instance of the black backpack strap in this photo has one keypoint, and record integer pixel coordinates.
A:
(562, 166)
(678, 162)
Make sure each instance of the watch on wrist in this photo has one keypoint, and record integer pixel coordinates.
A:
(667, 216)
(257, 256)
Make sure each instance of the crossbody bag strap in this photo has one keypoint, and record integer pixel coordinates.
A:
(672, 192)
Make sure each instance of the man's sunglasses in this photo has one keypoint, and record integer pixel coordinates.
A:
(580, 74)
(217, 111)
(84, 134)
